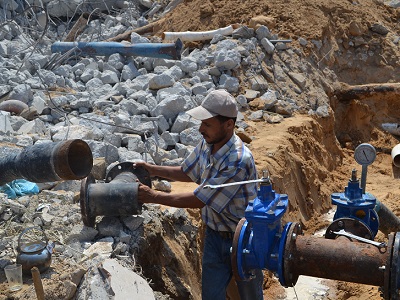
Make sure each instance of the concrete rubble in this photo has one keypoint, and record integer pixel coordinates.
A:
(130, 108)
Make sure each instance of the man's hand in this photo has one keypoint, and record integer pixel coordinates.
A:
(167, 172)
(146, 194)
(149, 168)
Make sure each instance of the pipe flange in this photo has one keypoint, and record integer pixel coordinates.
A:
(87, 217)
(127, 167)
(289, 279)
(394, 282)
(351, 225)
(388, 269)
(236, 256)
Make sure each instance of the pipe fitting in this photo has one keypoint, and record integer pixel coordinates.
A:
(396, 155)
(118, 196)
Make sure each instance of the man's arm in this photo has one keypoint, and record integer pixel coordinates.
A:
(180, 200)
(168, 172)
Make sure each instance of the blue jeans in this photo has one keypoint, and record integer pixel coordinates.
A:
(217, 271)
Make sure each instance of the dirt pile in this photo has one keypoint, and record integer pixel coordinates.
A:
(357, 40)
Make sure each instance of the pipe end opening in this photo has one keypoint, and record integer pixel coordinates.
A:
(74, 160)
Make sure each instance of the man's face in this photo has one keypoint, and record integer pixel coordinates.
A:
(214, 131)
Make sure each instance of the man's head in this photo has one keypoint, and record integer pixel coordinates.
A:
(216, 103)
(217, 113)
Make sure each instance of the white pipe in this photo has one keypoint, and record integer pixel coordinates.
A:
(396, 155)
(191, 36)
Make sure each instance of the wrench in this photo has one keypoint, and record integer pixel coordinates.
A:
(215, 186)
(342, 232)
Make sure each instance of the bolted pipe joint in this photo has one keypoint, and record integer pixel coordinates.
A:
(256, 243)
(66, 160)
(118, 196)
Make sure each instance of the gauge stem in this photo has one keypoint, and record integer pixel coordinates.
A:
(364, 177)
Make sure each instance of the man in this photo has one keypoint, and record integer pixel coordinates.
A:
(221, 157)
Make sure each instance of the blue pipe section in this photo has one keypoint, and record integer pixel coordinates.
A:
(155, 50)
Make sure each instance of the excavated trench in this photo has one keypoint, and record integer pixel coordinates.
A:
(309, 158)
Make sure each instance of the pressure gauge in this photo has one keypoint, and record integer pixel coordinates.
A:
(365, 154)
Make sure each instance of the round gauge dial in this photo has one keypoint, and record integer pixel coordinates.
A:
(365, 154)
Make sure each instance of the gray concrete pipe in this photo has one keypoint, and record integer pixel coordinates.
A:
(46, 162)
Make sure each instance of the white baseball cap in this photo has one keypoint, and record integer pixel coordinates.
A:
(217, 102)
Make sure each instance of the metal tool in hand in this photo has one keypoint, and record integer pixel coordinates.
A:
(265, 178)
(342, 232)
(215, 186)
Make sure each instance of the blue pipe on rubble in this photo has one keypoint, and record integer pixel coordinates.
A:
(155, 50)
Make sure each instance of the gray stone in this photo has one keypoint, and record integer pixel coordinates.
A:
(133, 222)
(161, 81)
(169, 107)
(100, 149)
(125, 282)
(227, 60)
(81, 233)
(109, 226)
(263, 32)
(190, 136)
(128, 155)
(268, 46)
(22, 92)
(229, 83)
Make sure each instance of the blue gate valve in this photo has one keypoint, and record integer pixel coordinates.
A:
(355, 211)
(259, 238)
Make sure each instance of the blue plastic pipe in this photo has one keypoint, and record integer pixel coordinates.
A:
(155, 50)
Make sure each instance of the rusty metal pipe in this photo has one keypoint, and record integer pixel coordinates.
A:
(14, 106)
(339, 259)
(342, 259)
(66, 160)
(117, 197)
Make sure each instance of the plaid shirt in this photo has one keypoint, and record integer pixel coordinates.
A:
(225, 206)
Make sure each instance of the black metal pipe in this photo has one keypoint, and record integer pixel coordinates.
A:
(66, 160)
(117, 197)
(388, 221)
